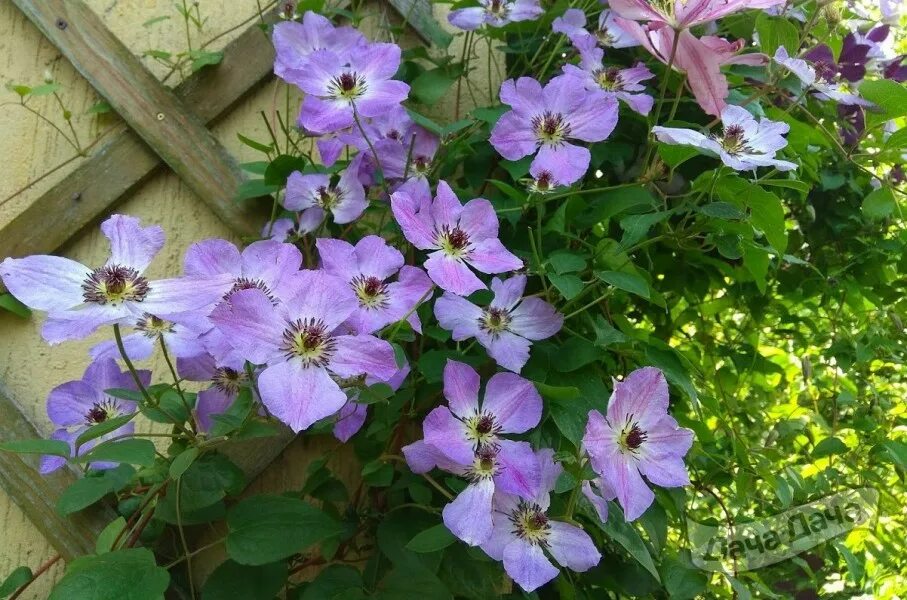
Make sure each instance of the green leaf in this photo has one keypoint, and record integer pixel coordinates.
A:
(432, 85)
(828, 446)
(154, 20)
(115, 529)
(336, 582)
(378, 392)
(280, 169)
(629, 282)
(130, 574)
(432, 539)
(756, 261)
(203, 58)
(171, 408)
(45, 89)
(568, 285)
(722, 210)
(425, 122)
(208, 479)
(559, 393)
(682, 581)
(254, 188)
(766, 210)
(131, 451)
(233, 581)
(888, 95)
(9, 303)
(48, 447)
(19, 577)
(624, 534)
(566, 262)
(88, 490)
(265, 148)
(182, 462)
(125, 394)
(775, 32)
(103, 428)
(879, 204)
(264, 529)
(21, 90)
(675, 155)
(897, 450)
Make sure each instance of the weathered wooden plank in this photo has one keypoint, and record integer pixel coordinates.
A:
(418, 15)
(36, 494)
(150, 109)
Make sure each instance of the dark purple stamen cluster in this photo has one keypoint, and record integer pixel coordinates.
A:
(310, 340)
(228, 380)
(114, 284)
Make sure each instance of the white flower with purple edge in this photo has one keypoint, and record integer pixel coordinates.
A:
(79, 299)
(505, 328)
(298, 341)
(745, 143)
(637, 437)
(623, 84)
(455, 235)
(336, 85)
(495, 13)
(523, 534)
(75, 406)
(315, 196)
(827, 88)
(509, 466)
(546, 120)
(510, 404)
(366, 267)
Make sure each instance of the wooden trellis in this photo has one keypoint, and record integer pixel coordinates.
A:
(159, 129)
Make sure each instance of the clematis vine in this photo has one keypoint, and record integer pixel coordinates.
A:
(79, 299)
(495, 13)
(298, 342)
(744, 144)
(547, 120)
(315, 196)
(507, 327)
(622, 84)
(455, 235)
(637, 438)
(294, 42)
(366, 267)
(523, 534)
(78, 405)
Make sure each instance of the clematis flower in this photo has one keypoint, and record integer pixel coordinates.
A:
(295, 42)
(283, 229)
(510, 404)
(181, 336)
(744, 144)
(79, 299)
(608, 34)
(352, 416)
(700, 58)
(314, 195)
(637, 438)
(495, 13)
(509, 466)
(339, 86)
(623, 84)
(366, 267)
(683, 15)
(456, 235)
(404, 149)
(523, 534)
(77, 405)
(297, 340)
(817, 69)
(547, 120)
(226, 383)
(598, 492)
(507, 327)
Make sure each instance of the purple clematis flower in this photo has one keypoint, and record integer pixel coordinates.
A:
(509, 466)
(298, 341)
(226, 382)
(506, 326)
(340, 86)
(638, 437)
(745, 143)
(79, 299)
(283, 229)
(457, 235)
(180, 333)
(365, 267)
(608, 34)
(548, 119)
(314, 196)
(295, 42)
(511, 404)
(77, 405)
(523, 533)
(352, 416)
(495, 13)
(623, 84)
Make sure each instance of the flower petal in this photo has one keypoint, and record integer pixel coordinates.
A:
(363, 355)
(642, 395)
(458, 315)
(507, 349)
(452, 275)
(350, 420)
(461, 388)
(519, 472)
(514, 401)
(41, 282)
(212, 257)
(299, 396)
(448, 434)
(132, 245)
(469, 515)
(250, 323)
(414, 220)
(507, 292)
(572, 547)
(535, 319)
(321, 296)
(490, 256)
(527, 565)
(632, 492)
(566, 162)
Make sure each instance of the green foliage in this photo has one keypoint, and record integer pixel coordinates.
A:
(120, 575)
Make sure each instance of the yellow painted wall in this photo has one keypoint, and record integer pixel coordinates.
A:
(30, 148)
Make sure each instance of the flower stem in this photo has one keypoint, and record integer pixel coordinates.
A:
(176, 385)
(371, 148)
(135, 375)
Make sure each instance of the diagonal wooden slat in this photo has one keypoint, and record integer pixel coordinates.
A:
(154, 112)
(418, 15)
(37, 494)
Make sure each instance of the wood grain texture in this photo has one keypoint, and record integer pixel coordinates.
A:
(418, 15)
(155, 113)
(36, 494)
